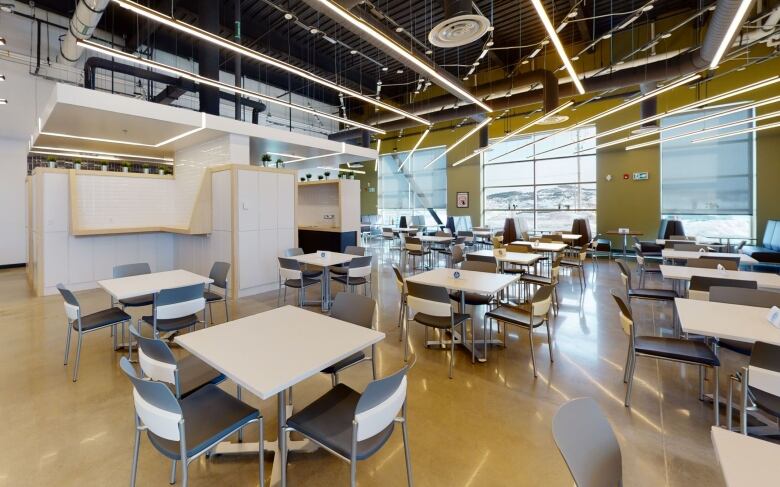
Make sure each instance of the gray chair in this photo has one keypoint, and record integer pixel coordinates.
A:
(129, 270)
(218, 274)
(186, 375)
(692, 352)
(475, 299)
(175, 309)
(358, 310)
(296, 251)
(529, 316)
(700, 286)
(83, 324)
(400, 284)
(291, 275)
(415, 249)
(578, 262)
(762, 386)
(433, 309)
(358, 274)
(713, 263)
(354, 426)
(183, 430)
(468, 235)
(481, 258)
(588, 444)
(651, 294)
(745, 297)
(449, 251)
(645, 266)
(341, 269)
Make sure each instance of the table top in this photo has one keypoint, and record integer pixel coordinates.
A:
(133, 286)
(629, 233)
(511, 257)
(331, 258)
(661, 241)
(690, 254)
(764, 280)
(405, 229)
(269, 352)
(482, 233)
(434, 239)
(744, 460)
(543, 246)
(724, 320)
(469, 281)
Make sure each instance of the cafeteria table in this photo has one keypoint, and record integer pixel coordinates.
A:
(680, 274)
(744, 460)
(673, 254)
(625, 236)
(324, 259)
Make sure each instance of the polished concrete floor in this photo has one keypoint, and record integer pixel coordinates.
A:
(489, 426)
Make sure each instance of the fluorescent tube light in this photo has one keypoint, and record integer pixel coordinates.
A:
(217, 84)
(238, 48)
(432, 73)
(737, 132)
(416, 145)
(330, 154)
(341, 169)
(3, 101)
(376, 161)
(460, 141)
(736, 23)
(103, 153)
(557, 43)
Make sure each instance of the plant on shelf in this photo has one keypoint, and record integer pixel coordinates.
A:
(279, 163)
(320, 177)
(77, 164)
(352, 176)
(308, 177)
(125, 167)
(52, 161)
(266, 159)
(104, 166)
(146, 168)
(327, 174)
(303, 180)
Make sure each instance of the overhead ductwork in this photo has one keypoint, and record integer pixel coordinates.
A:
(648, 108)
(460, 25)
(208, 56)
(82, 25)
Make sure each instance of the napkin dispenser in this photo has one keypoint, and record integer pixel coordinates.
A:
(774, 316)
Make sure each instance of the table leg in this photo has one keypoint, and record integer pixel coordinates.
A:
(625, 241)
(325, 289)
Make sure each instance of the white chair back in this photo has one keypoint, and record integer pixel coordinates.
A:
(289, 269)
(155, 405)
(379, 405)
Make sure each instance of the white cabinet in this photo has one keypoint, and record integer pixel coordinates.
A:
(268, 201)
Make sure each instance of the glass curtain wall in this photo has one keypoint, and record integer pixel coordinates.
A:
(544, 183)
(414, 189)
(709, 186)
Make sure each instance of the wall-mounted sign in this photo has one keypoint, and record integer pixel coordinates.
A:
(462, 200)
(641, 176)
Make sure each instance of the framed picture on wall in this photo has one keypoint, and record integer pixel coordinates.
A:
(462, 200)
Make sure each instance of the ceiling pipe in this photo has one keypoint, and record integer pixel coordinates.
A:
(82, 25)
(649, 106)
(208, 56)
(684, 64)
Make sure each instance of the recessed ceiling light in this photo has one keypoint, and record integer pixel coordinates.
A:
(465, 78)
(575, 58)
(353, 51)
(429, 52)
(666, 35)
(384, 68)
(379, 82)
(2, 77)
(489, 44)
(399, 29)
(3, 101)
(314, 31)
(572, 14)
(476, 63)
(2, 41)
(490, 29)
(545, 42)
(525, 61)
(607, 35)
(647, 8)
(288, 16)
(399, 71)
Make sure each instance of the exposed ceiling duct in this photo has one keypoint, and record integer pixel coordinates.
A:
(82, 25)
(460, 25)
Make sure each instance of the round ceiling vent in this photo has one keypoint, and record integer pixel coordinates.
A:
(555, 119)
(458, 31)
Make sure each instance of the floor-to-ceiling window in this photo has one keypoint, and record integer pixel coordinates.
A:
(548, 188)
(708, 184)
(418, 186)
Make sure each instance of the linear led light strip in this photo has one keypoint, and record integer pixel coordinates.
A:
(612, 110)
(737, 132)
(517, 131)
(360, 24)
(557, 43)
(708, 129)
(736, 22)
(217, 84)
(376, 161)
(705, 101)
(101, 153)
(416, 145)
(238, 48)
(341, 169)
(330, 154)
(460, 141)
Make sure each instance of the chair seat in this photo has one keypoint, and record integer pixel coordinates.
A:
(766, 401)
(101, 318)
(210, 413)
(194, 374)
(312, 274)
(328, 421)
(537, 279)
(515, 315)
(472, 299)
(296, 283)
(742, 348)
(440, 321)
(211, 296)
(145, 300)
(651, 267)
(353, 281)
(646, 293)
(676, 349)
(352, 359)
(418, 253)
(339, 269)
(172, 324)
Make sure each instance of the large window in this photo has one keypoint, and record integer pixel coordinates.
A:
(708, 185)
(415, 188)
(548, 188)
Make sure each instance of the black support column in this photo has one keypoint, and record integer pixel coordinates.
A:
(208, 56)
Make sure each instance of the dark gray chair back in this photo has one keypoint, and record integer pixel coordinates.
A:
(153, 348)
(219, 272)
(179, 295)
(480, 258)
(159, 410)
(293, 252)
(128, 270)
(428, 293)
(442, 233)
(359, 262)
(701, 283)
(713, 263)
(687, 247)
(744, 296)
(588, 444)
(68, 295)
(479, 266)
(354, 250)
(354, 308)
(290, 264)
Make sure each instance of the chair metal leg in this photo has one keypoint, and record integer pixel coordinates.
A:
(630, 381)
(173, 472)
(67, 344)
(136, 445)
(549, 341)
(406, 338)
(373, 362)
(211, 317)
(407, 454)
(626, 369)
(743, 412)
(290, 394)
(716, 395)
(531, 341)
(78, 356)
(227, 315)
(452, 349)
(185, 466)
(701, 382)
(730, 402)
(352, 473)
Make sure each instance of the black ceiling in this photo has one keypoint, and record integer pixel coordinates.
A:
(265, 29)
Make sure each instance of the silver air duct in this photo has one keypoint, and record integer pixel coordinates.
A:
(82, 25)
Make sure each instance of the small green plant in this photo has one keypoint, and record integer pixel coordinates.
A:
(266, 159)
(279, 163)
(308, 177)
(320, 177)
(303, 180)
(51, 159)
(327, 174)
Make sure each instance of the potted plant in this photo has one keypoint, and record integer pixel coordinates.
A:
(303, 180)
(352, 176)
(320, 177)
(52, 161)
(104, 166)
(266, 159)
(125, 167)
(308, 177)
(161, 171)
(146, 169)
(327, 174)
(279, 163)
(77, 164)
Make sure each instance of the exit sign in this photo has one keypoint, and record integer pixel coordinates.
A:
(641, 176)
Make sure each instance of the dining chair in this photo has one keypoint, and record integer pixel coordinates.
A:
(354, 426)
(691, 352)
(456, 253)
(759, 384)
(745, 297)
(186, 374)
(649, 294)
(433, 309)
(400, 284)
(713, 263)
(578, 263)
(310, 273)
(588, 444)
(490, 259)
(468, 235)
(175, 309)
(358, 310)
(645, 266)
(341, 269)
(415, 249)
(129, 270)
(551, 280)
(358, 274)
(83, 324)
(529, 315)
(218, 274)
(700, 286)
(291, 276)
(183, 430)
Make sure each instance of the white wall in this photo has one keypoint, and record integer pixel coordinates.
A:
(13, 201)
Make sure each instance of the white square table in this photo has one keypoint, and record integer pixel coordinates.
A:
(724, 320)
(325, 259)
(270, 352)
(543, 246)
(744, 460)
(134, 286)
(764, 280)
(689, 254)
(519, 258)
(469, 282)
